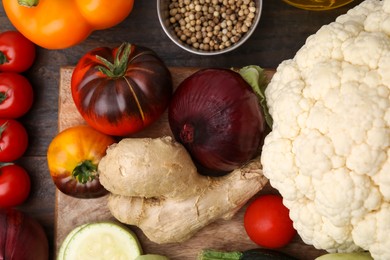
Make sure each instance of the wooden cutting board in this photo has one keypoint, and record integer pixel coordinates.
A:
(223, 235)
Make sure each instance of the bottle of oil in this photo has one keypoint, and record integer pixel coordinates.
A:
(317, 5)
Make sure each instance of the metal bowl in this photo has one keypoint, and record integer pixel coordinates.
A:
(163, 16)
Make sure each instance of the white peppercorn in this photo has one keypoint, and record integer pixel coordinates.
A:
(211, 24)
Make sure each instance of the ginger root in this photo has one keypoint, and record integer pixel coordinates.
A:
(155, 185)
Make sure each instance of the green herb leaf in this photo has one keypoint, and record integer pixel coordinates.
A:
(209, 254)
(256, 77)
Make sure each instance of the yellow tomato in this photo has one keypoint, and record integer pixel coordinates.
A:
(59, 24)
(73, 157)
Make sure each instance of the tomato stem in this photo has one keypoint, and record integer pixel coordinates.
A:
(3, 127)
(119, 67)
(28, 3)
(3, 58)
(85, 171)
(3, 96)
(3, 164)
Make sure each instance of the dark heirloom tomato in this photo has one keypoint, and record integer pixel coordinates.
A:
(123, 90)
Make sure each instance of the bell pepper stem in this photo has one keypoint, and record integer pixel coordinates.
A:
(28, 3)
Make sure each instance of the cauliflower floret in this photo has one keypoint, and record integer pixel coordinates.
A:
(328, 153)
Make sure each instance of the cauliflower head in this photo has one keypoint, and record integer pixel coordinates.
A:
(328, 152)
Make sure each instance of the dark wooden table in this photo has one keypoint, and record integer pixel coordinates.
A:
(281, 32)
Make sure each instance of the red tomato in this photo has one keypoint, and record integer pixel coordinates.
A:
(17, 53)
(13, 140)
(14, 185)
(16, 95)
(267, 222)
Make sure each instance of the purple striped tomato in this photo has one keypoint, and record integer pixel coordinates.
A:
(121, 91)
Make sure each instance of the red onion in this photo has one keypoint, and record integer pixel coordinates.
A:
(21, 237)
(216, 115)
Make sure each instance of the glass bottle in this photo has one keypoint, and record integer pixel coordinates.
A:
(317, 5)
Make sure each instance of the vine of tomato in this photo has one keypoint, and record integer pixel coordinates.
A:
(73, 156)
(15, 185)
(17, 53)
(16, 95)
(13, 140)
(267, 222)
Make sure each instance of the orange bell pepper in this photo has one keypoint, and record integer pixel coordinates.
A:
(59, 24)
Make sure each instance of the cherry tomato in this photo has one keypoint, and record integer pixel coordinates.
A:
(16, 95)
(73, 157)
(17, 53)
(267, 222)
(13, 140)
(14, 185)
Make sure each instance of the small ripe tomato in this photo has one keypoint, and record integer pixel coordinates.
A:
(73, 156)
(267, 222)
(14, 185)
(13, 140)
(16, 95)
(17, 53)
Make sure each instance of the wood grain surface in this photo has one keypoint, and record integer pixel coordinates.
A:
(282, 30)
(223, 235)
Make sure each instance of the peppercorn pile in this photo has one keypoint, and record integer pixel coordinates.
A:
(211, 25)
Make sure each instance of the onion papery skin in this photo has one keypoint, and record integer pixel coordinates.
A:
(216, 115)
(21, 237)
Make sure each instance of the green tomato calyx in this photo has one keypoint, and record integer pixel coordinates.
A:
(117, 68)
(85, 171)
